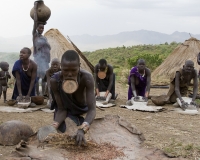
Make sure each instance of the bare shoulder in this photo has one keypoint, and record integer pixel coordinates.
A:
(195, 72)
(53, 83)
(110, 67)
(147, 70)
(86, 76)
(32, 63)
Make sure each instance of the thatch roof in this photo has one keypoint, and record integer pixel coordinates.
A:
(185, 51)
(59, 44)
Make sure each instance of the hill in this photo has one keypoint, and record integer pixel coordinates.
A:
(91, 43)
(10, 58)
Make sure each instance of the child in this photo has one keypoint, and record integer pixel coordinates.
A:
(4, 76)
(55, 67)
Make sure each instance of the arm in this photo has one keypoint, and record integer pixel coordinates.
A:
(110, 80)
(35, 18)
(48, 82)
(33, 77)
(61, 113)
(195, 86)
(96, 80)
(148, 82)
(18, 82)
(198, 58)
(8, 75)
(177, 86)
(133, 86)
(90, 99)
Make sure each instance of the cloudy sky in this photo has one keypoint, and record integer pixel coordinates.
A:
(103, 17)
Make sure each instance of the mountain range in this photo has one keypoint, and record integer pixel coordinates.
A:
(90, 43)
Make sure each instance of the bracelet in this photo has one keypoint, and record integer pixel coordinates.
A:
(55, 124)
(85, 127)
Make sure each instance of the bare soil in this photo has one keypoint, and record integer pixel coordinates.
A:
(174, 133)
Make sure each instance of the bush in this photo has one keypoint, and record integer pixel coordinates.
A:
(152, 60)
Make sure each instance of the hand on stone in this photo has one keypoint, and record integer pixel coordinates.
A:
(80, 137)
(136, 98)
(145, 99)
(193, 103)
(184, 105)
(19, 98)
(27, 98)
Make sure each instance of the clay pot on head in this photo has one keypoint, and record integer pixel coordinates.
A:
(43, 12)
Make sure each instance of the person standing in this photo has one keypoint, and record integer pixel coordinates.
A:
(41, 50)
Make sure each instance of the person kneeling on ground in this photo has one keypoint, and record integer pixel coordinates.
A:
(73, 95)
(104, 80)
(139, 81)
(55, 67)
(180, 82)
(25, 71)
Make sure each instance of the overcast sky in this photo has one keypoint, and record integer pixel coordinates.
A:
(103, 17)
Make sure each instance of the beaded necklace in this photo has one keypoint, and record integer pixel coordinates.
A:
(141, 74)
(27, 67)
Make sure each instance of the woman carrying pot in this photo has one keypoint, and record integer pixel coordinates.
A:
(41, 48)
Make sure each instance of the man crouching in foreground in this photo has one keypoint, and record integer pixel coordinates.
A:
(73, 95)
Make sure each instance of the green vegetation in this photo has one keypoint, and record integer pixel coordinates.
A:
(10, 58)
(176, 149)
(124, 58)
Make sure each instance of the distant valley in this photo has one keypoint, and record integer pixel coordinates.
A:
(91, 43)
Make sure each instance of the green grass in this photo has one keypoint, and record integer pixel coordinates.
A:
(177, 149)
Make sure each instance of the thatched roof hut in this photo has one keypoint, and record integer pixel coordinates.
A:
(59, 44)
(185, 51)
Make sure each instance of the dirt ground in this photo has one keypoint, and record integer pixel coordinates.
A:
(174, 133)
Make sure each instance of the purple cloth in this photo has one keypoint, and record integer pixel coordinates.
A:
(25, 81)
(140, 87)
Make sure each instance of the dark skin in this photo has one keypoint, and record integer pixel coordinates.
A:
(38, 27)
(188, 73)
(4, 76)
(31, 72)
(55, 67)
(110, 75)
(198, 58)
(83, 95)
(142, 69)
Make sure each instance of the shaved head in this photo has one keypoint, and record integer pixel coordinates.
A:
(141, 61)
(55, 60)
(189, 62)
